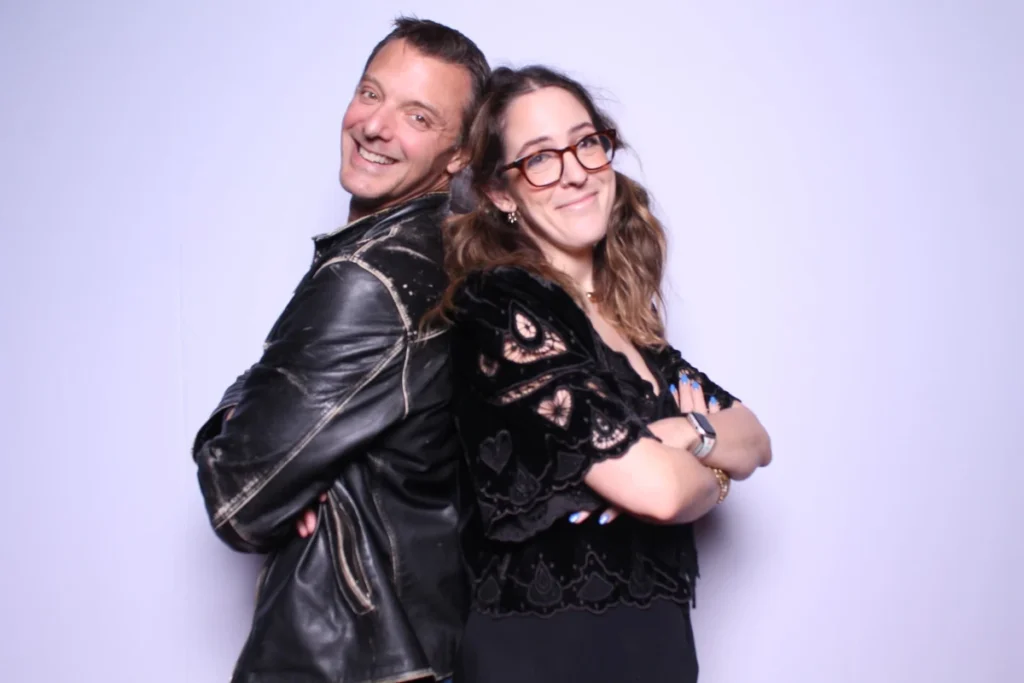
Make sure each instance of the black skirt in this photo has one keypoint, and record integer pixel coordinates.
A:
(621, 645)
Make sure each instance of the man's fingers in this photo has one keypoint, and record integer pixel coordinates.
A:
(306, 524)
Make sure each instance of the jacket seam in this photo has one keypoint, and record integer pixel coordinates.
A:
(251, 490)
(431, 335)
(403, 677)
(388, 530)
(384, 280)
(395, 298)
(392, 231)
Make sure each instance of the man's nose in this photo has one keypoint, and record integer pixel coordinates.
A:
(380, 124)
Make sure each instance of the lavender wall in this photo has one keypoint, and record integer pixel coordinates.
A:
(843, 185)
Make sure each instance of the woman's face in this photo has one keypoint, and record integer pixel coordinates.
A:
(569, 216)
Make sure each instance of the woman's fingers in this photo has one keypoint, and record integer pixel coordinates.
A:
(607, 517)
(684, 394)
(699, 404)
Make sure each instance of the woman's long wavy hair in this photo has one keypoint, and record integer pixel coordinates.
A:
(628, 262)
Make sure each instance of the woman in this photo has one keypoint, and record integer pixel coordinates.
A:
(570, 401)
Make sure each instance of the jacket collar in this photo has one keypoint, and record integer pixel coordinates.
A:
(366, 224)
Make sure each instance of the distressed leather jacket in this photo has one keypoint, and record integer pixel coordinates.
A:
(348, 398)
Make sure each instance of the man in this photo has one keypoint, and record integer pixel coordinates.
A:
(346, 413)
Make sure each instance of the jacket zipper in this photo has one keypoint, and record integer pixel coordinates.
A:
(347, 575)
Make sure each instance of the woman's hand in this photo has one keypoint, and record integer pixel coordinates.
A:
(606, 517)
(689, 397)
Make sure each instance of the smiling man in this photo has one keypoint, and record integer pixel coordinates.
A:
(346, 414)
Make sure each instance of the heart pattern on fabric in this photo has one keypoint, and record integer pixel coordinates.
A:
(557, 408)
(495, 451)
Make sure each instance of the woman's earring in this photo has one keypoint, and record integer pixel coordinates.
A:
(512, 217)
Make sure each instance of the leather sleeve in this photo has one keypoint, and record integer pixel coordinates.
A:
(329, 381)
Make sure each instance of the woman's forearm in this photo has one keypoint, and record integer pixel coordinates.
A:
(654, 481)
(742, 444)
(704, 499)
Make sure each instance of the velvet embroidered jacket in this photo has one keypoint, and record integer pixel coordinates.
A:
(539, 399)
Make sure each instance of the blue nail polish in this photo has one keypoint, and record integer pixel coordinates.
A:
(603, 519)
(713, 401)
(695, 384)
(574, 517)
(672, 388)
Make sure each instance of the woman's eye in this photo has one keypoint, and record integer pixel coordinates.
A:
(538, 159)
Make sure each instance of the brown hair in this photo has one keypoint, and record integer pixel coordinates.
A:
(628, 262)
(445, 43)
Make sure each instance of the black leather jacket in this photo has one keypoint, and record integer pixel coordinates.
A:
(349, 398)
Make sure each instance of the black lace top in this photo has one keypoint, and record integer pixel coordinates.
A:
(539, 399)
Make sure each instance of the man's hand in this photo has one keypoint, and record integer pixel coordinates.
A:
(306, 523)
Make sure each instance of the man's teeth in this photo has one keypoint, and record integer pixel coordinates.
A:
(373, 158)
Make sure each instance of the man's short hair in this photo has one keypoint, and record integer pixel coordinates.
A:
(448, 45)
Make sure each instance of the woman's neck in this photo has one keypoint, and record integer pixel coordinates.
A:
(578, 267)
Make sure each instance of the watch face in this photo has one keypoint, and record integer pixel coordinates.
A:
(705, 424)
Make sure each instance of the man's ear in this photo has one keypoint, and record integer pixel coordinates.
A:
(458, 161)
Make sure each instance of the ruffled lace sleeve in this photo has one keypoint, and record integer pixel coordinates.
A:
(534, 409)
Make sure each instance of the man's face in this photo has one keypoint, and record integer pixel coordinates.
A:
(399, 133)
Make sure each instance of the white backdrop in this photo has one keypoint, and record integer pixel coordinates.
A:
(842, 183)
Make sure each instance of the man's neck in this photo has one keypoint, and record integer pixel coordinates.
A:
(359, 209)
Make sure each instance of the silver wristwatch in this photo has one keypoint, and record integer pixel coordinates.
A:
(706, 432)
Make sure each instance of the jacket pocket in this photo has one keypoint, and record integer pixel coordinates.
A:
(345, 550)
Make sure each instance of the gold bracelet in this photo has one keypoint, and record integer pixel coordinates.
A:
(723, 484)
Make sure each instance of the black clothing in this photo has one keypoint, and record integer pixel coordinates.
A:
(539, 399)
(348, 398)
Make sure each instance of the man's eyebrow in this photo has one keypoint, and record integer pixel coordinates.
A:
(367, 78)
(544, 138)
(423, 105)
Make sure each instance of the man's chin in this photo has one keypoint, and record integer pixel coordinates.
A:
(363, 191)
(365, 200)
